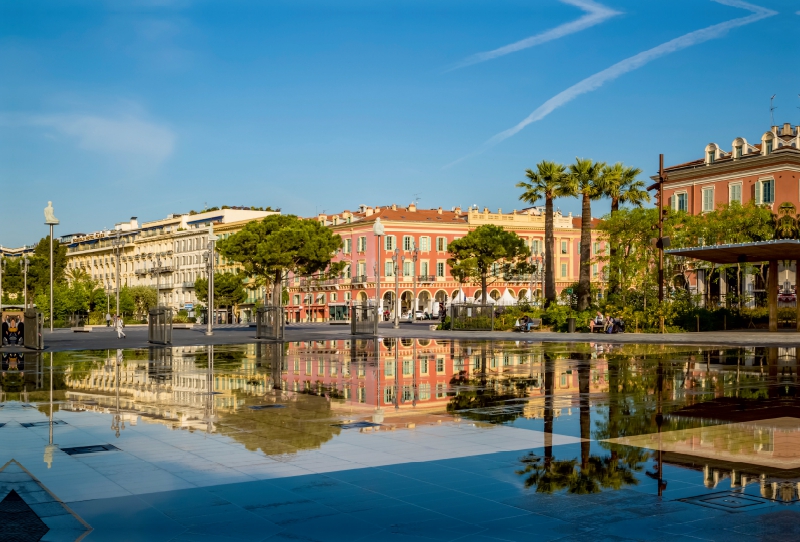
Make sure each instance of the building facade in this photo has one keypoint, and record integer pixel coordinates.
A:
(167, 254)
(420, 239)
(766, 173)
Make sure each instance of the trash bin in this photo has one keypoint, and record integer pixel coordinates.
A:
(32, 330)
(571, 325)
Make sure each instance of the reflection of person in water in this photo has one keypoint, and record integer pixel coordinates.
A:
(13, 361)
(4, 339)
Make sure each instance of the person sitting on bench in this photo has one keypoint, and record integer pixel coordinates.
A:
(596, 323)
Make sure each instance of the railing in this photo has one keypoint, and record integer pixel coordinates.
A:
(165, 286)
(468, 317)
(187, 284)
(426, 278)
(518, 278)
(359, 279)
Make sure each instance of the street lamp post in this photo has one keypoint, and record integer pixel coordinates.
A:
(2, 266)
(157, 272)
(534, 269)
(51, 220)
(415, 257)
(209, 255)
(25, 263)
(379, 232)
(117, 244)
(397, 262)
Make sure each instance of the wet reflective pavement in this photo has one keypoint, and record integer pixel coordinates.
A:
(401, 440)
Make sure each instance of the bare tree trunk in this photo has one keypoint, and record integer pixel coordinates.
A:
(584, 276)
(549, 264)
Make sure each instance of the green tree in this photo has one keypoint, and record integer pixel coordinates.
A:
(228, 289)
(484, 247)
(39, 268)
(144, 297)
(12, 279)
(621, 184)
(546, 183)
(586, 180)
(282, 244)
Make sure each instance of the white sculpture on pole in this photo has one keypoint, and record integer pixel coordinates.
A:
(49, 217)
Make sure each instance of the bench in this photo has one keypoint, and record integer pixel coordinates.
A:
(534, 323)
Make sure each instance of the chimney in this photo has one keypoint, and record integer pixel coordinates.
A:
(787, 129)
(412, 208)
(499, 211)
(457, 211)
(486, 210)
(134, 223)
(439, 211)
(368, 211)
(394, 206)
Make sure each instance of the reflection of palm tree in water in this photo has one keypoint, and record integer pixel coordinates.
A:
(549, 475)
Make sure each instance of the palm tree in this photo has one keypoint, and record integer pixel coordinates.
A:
(620, 183)
(586, 180)
(547, 182)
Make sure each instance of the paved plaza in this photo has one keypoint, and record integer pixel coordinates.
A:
(329, 438)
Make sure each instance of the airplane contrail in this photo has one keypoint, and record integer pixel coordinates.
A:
(595, 14)
(629, 64)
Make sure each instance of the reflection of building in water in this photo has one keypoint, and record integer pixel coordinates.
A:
(424, 373)
(168, 385)
(21, 372)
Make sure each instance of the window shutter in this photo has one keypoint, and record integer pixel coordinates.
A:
(759, 198)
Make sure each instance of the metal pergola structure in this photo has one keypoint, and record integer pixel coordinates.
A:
(762, 251)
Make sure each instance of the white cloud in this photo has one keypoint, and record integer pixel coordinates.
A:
(629, 64)
(595, 14)
(122, 135)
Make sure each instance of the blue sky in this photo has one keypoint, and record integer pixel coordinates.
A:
(119, 108)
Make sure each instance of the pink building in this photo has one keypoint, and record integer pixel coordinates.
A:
(420, 238)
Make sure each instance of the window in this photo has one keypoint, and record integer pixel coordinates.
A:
(735, 192)
(441, 244)
(362, 395)
(596, 248)
(711, 156)
(563, 270)
(408, 269)
(535, 246)
(333, 296)
(408, 243)
(388, 269)
(594, 269)
(440, 365)
(407, 367)
(388, 395)
(424, 392)
(362, 269)
(295, 300)
(739, 150)
(424, 244)
(564, 247)
(362, 244)
(681, 202)
(389, 242)
(769, 146)
(708, 199)
(423, 365)
(388, 368)
(441, 390)
(440, 269)
(348, 273)
(423, 268)
(348, 245)
(765, 192)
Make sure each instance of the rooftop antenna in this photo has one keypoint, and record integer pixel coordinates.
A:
(772, 108)
(416, 199)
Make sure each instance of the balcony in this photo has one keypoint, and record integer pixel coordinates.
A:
(359, 279)
(187, 284)
(426, 278)
(518, 278)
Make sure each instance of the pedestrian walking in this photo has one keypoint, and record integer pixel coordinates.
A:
(108, 320)
(119, 325)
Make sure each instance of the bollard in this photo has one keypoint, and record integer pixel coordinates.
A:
(698, 323)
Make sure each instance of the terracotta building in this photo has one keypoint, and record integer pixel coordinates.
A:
(421, 238)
